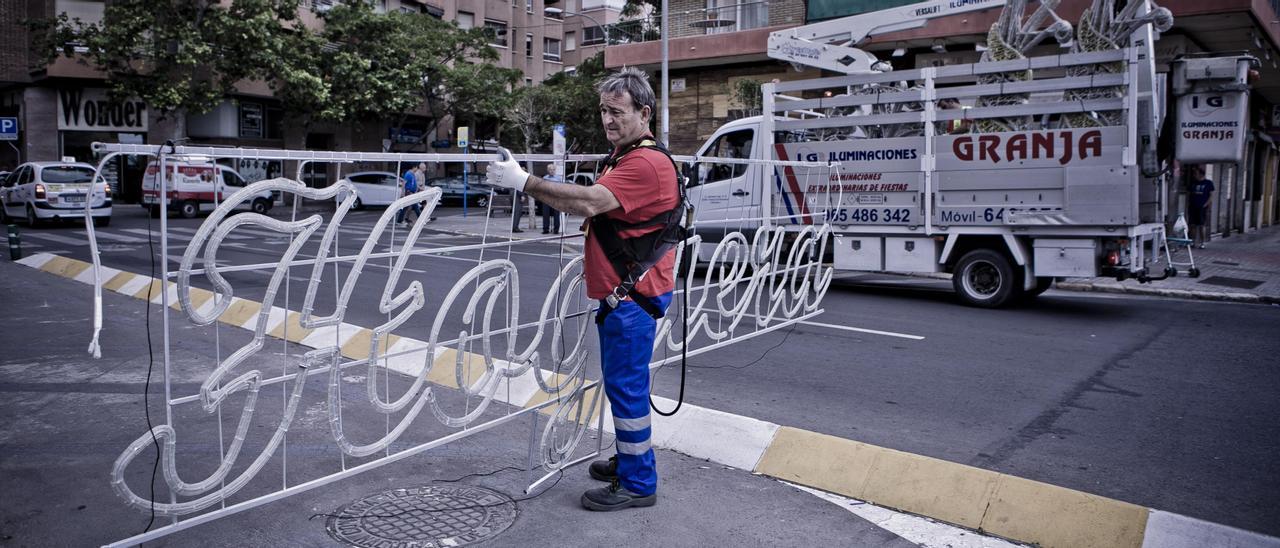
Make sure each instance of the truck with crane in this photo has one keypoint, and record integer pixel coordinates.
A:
(1007, 173)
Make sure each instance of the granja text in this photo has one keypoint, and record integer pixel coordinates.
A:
(1063, 145)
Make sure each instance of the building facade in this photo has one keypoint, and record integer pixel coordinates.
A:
(62, 107)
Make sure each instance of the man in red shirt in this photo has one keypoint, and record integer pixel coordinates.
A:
(639, 184)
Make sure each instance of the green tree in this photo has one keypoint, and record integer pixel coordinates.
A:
(177, 56)
(389, 66)
(567, 98)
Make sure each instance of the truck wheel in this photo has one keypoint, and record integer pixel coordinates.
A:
(984, 278)
(33, 220)
(189, 209)
(260, 206)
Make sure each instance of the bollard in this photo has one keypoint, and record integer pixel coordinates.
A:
(15, 243)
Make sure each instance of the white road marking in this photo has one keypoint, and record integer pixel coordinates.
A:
(110, 236)
(55, 238)
(863, 330)
(922, 531)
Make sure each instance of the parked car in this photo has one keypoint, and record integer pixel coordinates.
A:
(477, 193)
(190, 183)
(373, 188)
(42, 191)
(584, 178)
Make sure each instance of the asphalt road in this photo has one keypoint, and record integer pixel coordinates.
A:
(1164, 403)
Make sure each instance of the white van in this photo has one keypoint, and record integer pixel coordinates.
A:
(197, 185)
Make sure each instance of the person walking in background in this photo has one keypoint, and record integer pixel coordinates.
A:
(411, 178)
(550, 217)
(1198, 206)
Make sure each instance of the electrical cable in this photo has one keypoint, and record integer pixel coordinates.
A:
(151, 357)
(510, 499)
(753, 362)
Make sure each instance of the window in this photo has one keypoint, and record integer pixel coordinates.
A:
(570, 41)
(232, 178)
(592, 36)
(551, 49)
(497, 33)
(466, 20)
(528, 81)
(528, 45)
(744, 14)
(528, 6)
(735, 144)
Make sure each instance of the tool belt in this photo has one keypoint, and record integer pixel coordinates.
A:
(632, 257)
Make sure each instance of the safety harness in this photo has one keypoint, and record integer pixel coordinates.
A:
(632, 257)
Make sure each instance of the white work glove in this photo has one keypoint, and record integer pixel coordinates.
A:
(507, 173)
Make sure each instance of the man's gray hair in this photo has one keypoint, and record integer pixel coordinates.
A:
(633, 81)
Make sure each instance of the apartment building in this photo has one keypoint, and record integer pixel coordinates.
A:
(62, 107)
(716, 43)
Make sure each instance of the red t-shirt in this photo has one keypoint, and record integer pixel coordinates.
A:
(644, 182)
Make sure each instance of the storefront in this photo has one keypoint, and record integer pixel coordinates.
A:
(89, 115)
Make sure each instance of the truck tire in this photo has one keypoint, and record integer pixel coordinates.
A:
(188, 209)
(261, 206)
(984, 278)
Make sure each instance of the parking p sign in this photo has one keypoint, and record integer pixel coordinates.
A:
(8, 129)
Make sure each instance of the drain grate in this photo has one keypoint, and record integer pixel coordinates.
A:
(424, 517)
(1227, 281)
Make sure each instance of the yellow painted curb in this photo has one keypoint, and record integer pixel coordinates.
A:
(359, 345)
(295, 332)
(118, 281)
(1000, 504)
(1053, 516)
(239, 312)
(151, 290)
(444, 371)
(62, 266)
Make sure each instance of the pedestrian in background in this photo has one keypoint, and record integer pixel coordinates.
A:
(410, 186)
(550, 217)
(1198, 206)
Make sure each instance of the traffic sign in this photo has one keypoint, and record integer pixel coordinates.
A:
(463, 133)
(8, 129)
(557, 140)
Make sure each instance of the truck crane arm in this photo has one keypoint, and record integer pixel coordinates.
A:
(832, 45)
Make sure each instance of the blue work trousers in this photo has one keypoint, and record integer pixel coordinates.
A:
(626, 347)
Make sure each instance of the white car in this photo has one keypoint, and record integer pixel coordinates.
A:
(373, 188)
(584, 178)
(44, 191)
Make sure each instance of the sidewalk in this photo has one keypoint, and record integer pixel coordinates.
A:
(1239, 268)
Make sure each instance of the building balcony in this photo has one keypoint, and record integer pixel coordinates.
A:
(700, 33)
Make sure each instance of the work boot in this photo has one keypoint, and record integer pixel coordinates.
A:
(615, 497)
(605, 470)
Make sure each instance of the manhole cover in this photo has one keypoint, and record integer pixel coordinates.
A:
(1227, 281)
(424, 517)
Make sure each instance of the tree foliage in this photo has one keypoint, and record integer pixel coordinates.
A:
(360, 66)
(176, 55)
(387, 66)
(568, 98)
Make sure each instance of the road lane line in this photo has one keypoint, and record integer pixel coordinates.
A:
(55, 238)
(110, 236)
(863, 330)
